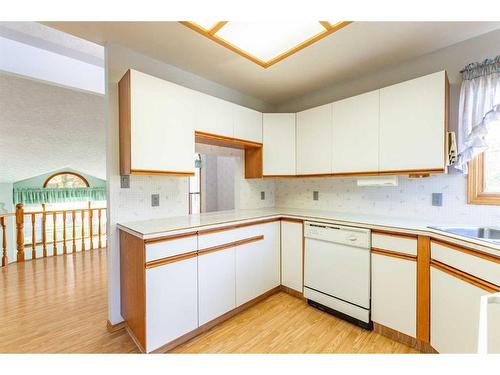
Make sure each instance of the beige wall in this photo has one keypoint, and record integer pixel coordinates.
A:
(452, 59)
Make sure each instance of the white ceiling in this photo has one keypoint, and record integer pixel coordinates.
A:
(44, 128)
(358, 49)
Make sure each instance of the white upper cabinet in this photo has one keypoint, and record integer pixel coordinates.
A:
(161, 125)
(214, 115)
(279, 144)
(314, 140)
(247, 124)
(355, 134)
(413, 123)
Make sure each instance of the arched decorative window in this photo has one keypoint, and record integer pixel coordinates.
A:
(66, 180)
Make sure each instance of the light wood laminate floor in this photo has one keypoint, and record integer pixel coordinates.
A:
(59, 305)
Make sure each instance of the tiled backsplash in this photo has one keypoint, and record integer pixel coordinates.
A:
(412, 198)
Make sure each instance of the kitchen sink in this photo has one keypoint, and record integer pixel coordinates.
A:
(490, 234)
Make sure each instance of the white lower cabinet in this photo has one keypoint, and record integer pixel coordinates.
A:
(291, 255)
(455, 315)
(216, 284)
(258, 264)
(394, 293)
(171, 302)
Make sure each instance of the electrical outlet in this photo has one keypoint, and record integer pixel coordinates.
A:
(155, 200)
(437, 199)
(125, 182)
(262, 195)
(315, 195)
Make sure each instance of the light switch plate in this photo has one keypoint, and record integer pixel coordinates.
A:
(125, 182)
(155, 200)
(262, 195)
(437, 199)
(315, 195)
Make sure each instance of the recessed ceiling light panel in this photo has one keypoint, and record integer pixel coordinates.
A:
(266, 43)
(267, 40)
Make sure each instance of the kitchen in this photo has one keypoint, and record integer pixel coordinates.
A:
(336, 193)
(404, 277)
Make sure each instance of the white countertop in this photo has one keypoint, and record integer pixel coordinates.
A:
(154, 228)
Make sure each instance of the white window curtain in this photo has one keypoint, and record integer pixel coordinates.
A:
(479, 108)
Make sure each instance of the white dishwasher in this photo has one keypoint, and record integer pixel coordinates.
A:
(337, 271)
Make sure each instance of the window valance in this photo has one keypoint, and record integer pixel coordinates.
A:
(49, 195)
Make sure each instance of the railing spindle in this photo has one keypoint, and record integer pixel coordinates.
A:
(91, 230)
(44, 233)
(99, 230)
(33, 239)
(65, 250)
(83, 230)
(73, 219)
(20, 231)
(54, 245)
(5, 260)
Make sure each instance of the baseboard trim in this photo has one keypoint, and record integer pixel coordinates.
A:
(292, 292)
(402, 338)
(115, 327)
(209, 325)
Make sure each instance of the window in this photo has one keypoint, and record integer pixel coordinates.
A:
(66, 180)
(195, 187)
(484, 171)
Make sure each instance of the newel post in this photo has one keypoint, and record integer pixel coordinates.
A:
(20, 231)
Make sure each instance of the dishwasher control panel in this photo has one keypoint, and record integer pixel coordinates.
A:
(358, 237)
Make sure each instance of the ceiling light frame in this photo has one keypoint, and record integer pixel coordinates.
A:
(211, 34)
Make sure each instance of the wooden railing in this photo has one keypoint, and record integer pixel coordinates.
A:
(49, 233)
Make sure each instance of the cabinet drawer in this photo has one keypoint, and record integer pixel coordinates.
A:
(168, 248)
(227, 236)
(394, 242)
(486, 269)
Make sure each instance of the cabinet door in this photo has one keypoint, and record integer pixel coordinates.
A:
(162, 119)
(171, 302)
(247, 124)
(279, 144)
(216, 280)
(314, 140)
(412, 124)
(355, 134)
(258, 264)
(214, 115)
(291, 255)
(394, 293)
(455, 315)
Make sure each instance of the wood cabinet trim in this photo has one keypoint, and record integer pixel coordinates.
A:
(125, 123)
(394, 234)
(393, 254)
(423, 289)
(133, 286)
(228, 245)
(172, 259)
(292, 220)
(464, 276)
(477, 253)
(170, 238)
(160, 173)
(236, 226)
(225, 141)
(249, 240)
